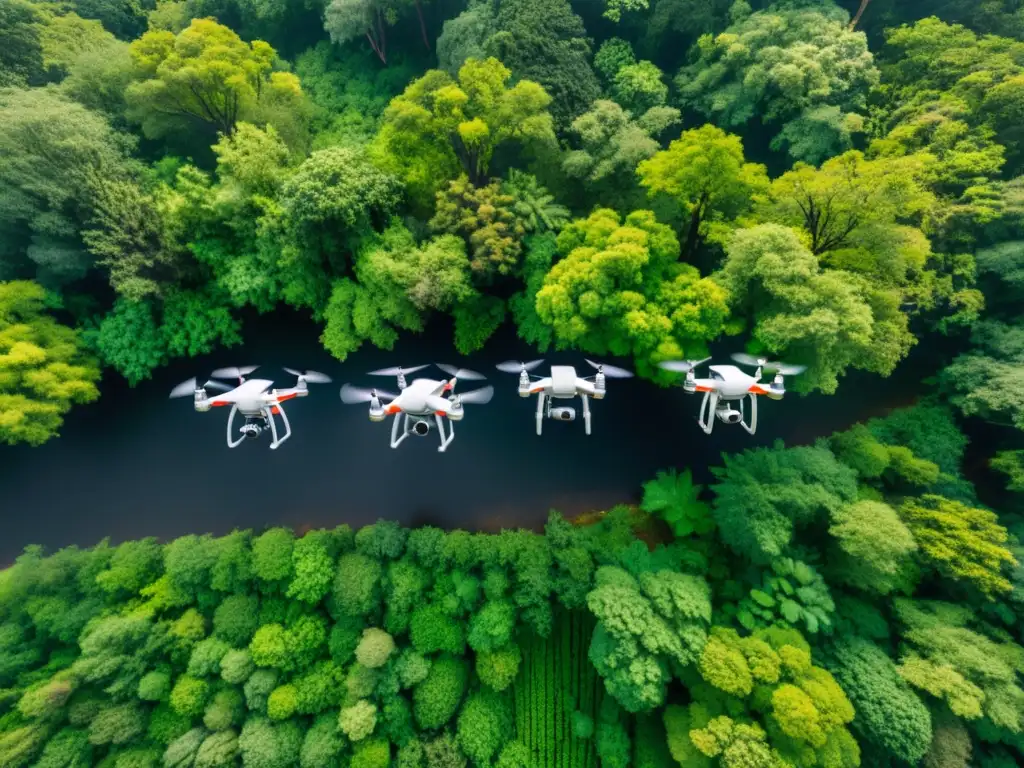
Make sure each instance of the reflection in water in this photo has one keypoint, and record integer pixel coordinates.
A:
(136, 464)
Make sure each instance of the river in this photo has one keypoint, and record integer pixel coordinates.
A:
(137, 464)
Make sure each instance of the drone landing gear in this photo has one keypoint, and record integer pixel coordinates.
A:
(267, 414)
(420, 427)
(709, 412)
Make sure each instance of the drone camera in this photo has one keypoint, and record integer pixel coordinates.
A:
(420, 428)
(729, 415)
(251, 430)
(562, 414)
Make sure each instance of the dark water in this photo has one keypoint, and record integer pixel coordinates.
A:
(136, 464)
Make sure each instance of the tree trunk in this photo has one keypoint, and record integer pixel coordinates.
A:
(693, 235)
(860, 12)
(376, 49)
(423, 26)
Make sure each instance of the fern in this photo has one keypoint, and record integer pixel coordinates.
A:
(674, 498)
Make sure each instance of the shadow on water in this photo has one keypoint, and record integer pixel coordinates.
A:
(136, 464)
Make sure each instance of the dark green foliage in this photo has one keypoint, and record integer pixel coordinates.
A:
(437, 698)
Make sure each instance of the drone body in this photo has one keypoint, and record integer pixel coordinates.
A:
(252, 399)
(421, 405)
(728, 386)
(562, 384)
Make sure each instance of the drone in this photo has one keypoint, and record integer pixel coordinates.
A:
(251, 398)
(729, 385)
(562, 384)
(421, 405)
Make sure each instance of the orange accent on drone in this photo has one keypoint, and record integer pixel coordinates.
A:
(757, 389)
(288, 396)
(215, 403)
(275, 410)
(441, 413)
(535, 391)
(392, 409)
(700, 388)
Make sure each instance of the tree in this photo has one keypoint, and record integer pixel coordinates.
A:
(21, 55)
(313, 568)
(358, 721)
(639, 87)
(831, 319)
(612, 143)
(189, 695)
(439, 125)
(620, 290)
(346, 20)
(272, 557)
(764, 495)
(960, 542)
(889, 713)
(532, 204)
(374, 648)
(802, 69)
(437, 698)
(875, 547)
(545, 41)
(704, 171)
(486, 218)
(674, 498)
(983, 382)
(236, 619)
(485, 723)
(646, 627)
(852, 209)
(44, 369)
(356, 585)
(207, 75)
(497, 669)
(50, 150)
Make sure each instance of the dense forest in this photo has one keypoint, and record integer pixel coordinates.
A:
(831, 183)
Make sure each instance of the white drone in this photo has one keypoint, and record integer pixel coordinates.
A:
(251, 398)
(728, 385)
(562, 384)
(420, 405)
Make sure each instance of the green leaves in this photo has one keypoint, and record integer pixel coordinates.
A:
(674, 498)
(44, 369)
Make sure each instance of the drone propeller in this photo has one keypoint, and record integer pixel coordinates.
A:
(233, 372)
(461, 373)
(681, 366)
(480, 396)
(189, 387)
(611, 371)
(395, 370)
(351, 395)
(785, 369)
(514, 366)
(313, 377)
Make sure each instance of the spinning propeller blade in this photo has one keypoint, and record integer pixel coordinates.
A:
(211, 384)
(785, 369)
(461, 373)
(185, 388)
(395, 370)
(351, 395)
(681, 366)
(611, 371)
(233, 372)
(313, 377)
(514, 366)
(480, 396)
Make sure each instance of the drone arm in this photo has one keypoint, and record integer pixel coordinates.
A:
(445, 441)
(540, 411)
(584, 387)
(586, 413)
(231, 422)
(269, 411)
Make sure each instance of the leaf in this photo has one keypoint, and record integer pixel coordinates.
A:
(812, 623)
(785, 586)
(762, 598)
(746, 619)
(790, 611)
(803, 572)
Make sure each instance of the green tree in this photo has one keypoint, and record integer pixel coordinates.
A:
(437, 698)
(764, 495)
(50, 150)
(801, 71)
(983, 382)
(21, 55)
(358, 721)
(705, 173)
(674, 498)
(207, 76)
(646, 627)
(961, 542)
(375, 647)
(532, 204)
(619, 289)
(830, 319)
(439, 125)
(486, 218)
(485, 723)
(236, 619)
(875, 548)
(313, 562)
(44, 369)
(640, 87)
(889, 713)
